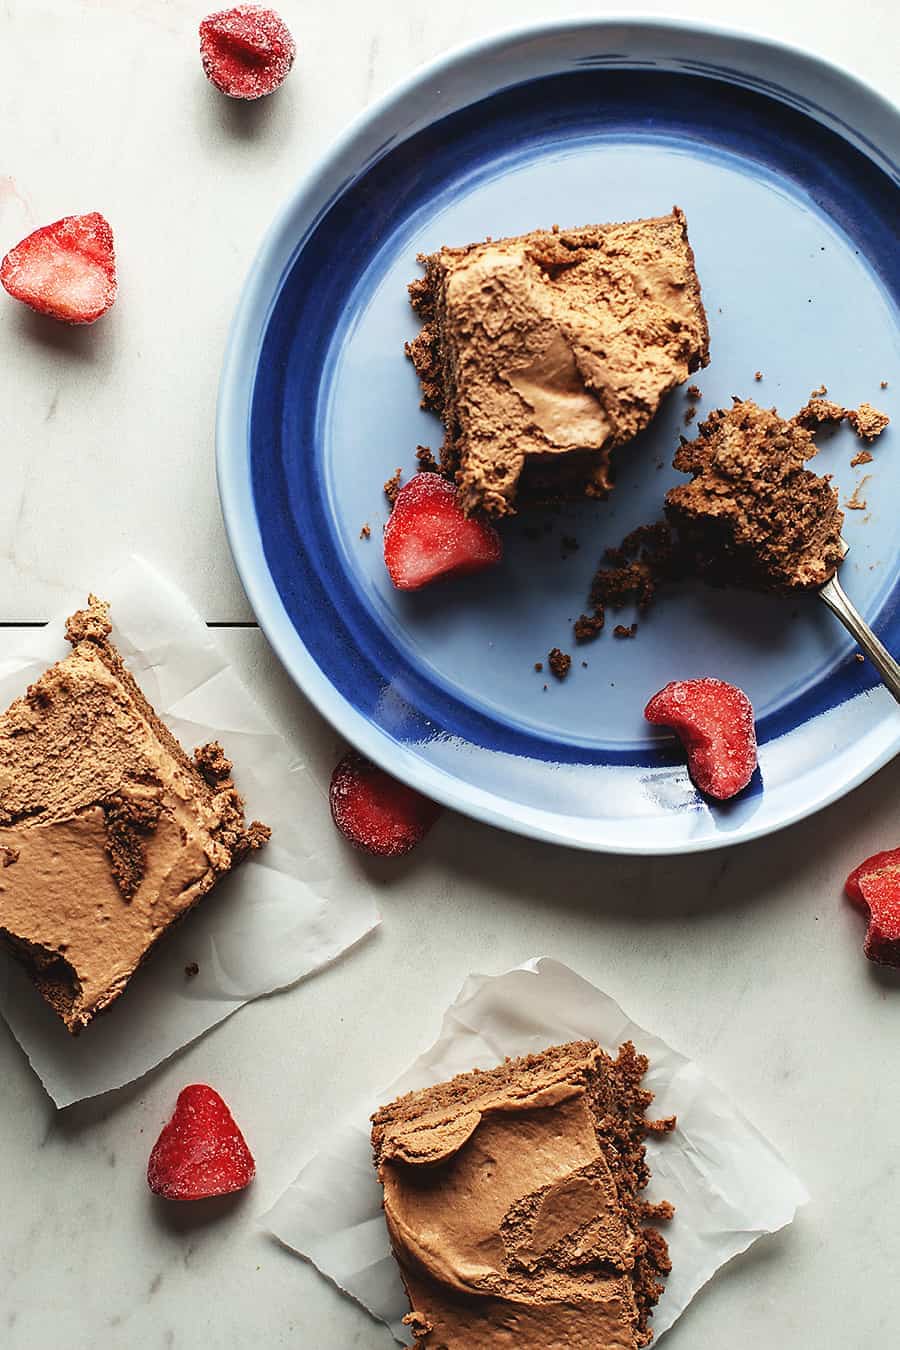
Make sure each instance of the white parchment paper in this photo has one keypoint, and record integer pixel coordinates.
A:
(727, 1182)
(285, 912)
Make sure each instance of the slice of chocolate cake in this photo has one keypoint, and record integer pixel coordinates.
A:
(544, 352)
(512, 1199)
(109, 833)
(753, 515)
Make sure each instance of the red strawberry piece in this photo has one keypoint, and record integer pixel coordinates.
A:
(375, 811)
(246, 51)
(201, 1152)
(66, 270)
(875, 886)
(714, 721)
(428, 536)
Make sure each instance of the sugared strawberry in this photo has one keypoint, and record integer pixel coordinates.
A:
(875, 886)
(714, 721)
(201, 1152)
(428, 536)
(66, 270)
(375, 811)
(246, 51)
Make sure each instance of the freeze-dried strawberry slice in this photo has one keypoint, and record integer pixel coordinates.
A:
(201, 1152)
(375, 811)
(428, 536)
(246, 51)
(875, 886)
(66, 270)
(714, 721)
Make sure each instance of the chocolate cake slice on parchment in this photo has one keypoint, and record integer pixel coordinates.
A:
(109, 832)
(512, 1199)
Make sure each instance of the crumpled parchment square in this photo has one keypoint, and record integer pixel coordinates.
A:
(284, 913)
(728, 1184)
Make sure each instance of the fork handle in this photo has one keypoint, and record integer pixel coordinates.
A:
(836, 599)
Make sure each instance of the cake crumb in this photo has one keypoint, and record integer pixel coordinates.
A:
(817, 412)
(694, 391)
(191, 969)
(818, 393)
(883, 384)
(559, 663)
(859, 657)
(392, 486)
(622, 630)
(584, 663)
(366, 531)
(867, 422)
(426, 460)
(757, 376)
(539, 666)
(213, 764)
(861, 457)
(588, 626)
(91, 624)
(690, 415)
(855, 502)
(634, 571)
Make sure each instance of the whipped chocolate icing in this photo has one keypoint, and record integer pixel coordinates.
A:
(511, 1198)
(544, 352)
(753, 515)
(108, 831)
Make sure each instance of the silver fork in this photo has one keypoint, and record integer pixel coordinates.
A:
(835, 598)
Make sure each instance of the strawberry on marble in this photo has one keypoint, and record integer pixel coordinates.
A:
(246, 51)
(375, 812)
(201, 1152)
(875, 887)
(66, 270)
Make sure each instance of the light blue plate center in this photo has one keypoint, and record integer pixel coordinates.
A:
(779, 282)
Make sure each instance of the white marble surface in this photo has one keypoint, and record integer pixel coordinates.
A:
(747, 960)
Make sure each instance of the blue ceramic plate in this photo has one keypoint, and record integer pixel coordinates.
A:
(787, 170)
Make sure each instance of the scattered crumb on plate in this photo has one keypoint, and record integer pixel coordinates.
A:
(392, 486)
(559, 663)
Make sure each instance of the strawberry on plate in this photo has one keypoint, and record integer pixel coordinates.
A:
(428, 535)
(201, 1152)
(875, 887)
(714, 721)
(374, 811)
(246, 51)
(66, 270)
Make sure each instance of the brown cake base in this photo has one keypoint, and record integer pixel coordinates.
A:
(513, 1201)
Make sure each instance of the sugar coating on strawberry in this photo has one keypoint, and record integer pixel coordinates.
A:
(714, 721)
(875, 886)
(201, 1152)
(66, 270)
(376, 812)
(429, 536)
(246, 51)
